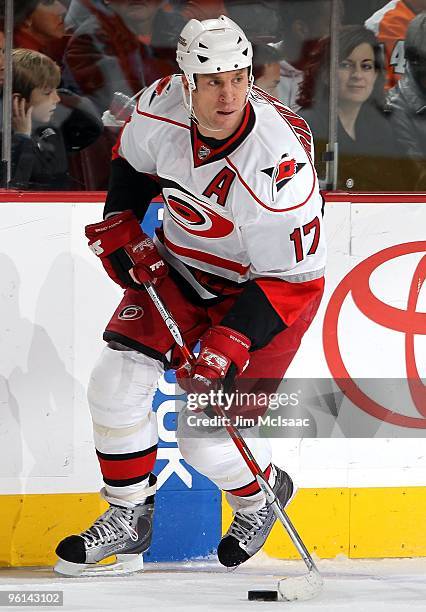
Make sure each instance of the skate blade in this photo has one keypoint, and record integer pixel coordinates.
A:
(124, 564)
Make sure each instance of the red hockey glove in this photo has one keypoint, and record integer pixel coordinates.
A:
(123, 247)
(223, 355)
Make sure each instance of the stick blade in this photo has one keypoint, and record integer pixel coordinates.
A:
(300, 588)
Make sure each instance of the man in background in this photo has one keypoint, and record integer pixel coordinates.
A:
(390, 25)
(407, 103)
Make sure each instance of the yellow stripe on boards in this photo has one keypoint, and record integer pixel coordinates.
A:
(389, 521)
(32, 525)
(358, 523)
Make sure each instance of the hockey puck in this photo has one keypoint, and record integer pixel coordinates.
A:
(263, 596)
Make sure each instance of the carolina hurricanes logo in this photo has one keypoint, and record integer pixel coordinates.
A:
(131, 313)
(283, 172)
(196, 217)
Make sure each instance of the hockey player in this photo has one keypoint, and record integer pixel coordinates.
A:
(239, 261)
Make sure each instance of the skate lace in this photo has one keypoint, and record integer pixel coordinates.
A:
(115, 523)
(244, 527)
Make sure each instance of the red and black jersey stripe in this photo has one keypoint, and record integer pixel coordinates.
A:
(252, 488)
(120, 470)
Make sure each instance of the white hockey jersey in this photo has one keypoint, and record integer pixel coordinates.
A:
(248, 209)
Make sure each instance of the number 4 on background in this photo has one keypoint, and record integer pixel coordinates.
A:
(397, 57)
(296, 238)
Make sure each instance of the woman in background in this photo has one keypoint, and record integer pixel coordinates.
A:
(368, 154)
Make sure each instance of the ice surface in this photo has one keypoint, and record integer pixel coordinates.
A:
(350, 585)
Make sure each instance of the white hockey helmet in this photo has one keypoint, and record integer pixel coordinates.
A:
(212, 45)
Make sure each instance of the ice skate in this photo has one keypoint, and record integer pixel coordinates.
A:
(124, 530)
(248, 532)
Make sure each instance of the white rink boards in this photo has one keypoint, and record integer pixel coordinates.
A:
(56, 301)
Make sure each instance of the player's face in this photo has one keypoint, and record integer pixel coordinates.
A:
(357, 75)
(219, 101)
(270, 79)
(47, 20)
(44, 102)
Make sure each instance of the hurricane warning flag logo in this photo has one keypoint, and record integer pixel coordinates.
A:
(283, 172)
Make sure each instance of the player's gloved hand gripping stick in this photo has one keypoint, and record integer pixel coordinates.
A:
(224, 353)
(299, 587)
(128, 255)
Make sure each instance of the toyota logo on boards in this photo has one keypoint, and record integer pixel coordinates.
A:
(403, 317)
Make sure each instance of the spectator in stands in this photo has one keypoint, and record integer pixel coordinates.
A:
(259, 19)
(22, 9)
(357, 12)
(304, 23)
(42, 133)
(366, 141)
(172, 16)
(138, 15)
(407, 102)
(266, 68)
(111, 51)
(37, 151)
(390, 25)
(78, 11)
(39, 25)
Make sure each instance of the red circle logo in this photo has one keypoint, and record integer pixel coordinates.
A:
(197, 218)
(409, 322)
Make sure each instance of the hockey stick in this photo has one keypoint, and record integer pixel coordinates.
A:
(289, 589)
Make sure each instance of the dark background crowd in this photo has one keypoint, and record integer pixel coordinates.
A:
(76, 63)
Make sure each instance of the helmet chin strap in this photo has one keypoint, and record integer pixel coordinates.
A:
(188, 103)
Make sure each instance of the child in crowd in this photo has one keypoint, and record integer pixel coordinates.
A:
(42, 132)
(38, 151)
